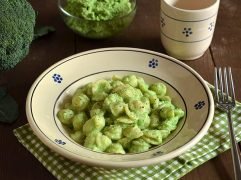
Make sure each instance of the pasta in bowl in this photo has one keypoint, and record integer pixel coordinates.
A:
(120, 115)
(131, 110)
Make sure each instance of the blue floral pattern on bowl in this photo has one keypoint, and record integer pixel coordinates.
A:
(57, 78)
(157, 153)
(199, 105)
(153, 63)
(59, 141)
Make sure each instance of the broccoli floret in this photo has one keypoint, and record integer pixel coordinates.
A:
(17, 21)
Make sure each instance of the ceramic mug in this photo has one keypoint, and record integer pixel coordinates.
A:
(187, 27)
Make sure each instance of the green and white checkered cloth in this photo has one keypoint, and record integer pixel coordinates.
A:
(213, 143)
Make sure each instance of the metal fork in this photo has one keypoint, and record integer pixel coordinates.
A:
(225, 101)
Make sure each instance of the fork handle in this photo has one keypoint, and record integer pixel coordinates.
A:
(234, 149)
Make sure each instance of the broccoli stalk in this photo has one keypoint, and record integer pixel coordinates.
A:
(17, 21)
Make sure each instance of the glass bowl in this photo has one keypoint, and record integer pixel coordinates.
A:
(96, 29)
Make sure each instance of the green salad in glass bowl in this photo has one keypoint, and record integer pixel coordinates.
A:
(97, 19)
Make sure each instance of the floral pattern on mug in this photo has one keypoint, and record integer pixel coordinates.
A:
(211, 26)
(187, 31)
(163, 22)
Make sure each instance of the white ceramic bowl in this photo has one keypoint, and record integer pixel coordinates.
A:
(187, 88)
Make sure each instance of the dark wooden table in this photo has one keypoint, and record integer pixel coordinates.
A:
(17, 163)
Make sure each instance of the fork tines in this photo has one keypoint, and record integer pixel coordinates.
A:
(223, 82)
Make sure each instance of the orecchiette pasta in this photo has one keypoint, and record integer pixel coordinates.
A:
(139, 145)
(120, 115)
(79, 120)
(115, 148)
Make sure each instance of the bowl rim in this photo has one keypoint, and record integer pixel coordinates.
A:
(61, 8)
(126, 164)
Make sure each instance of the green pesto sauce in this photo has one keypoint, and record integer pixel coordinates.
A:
(98, 9)
(99, 18)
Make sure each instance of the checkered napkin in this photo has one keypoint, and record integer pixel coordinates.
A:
(213, 143)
